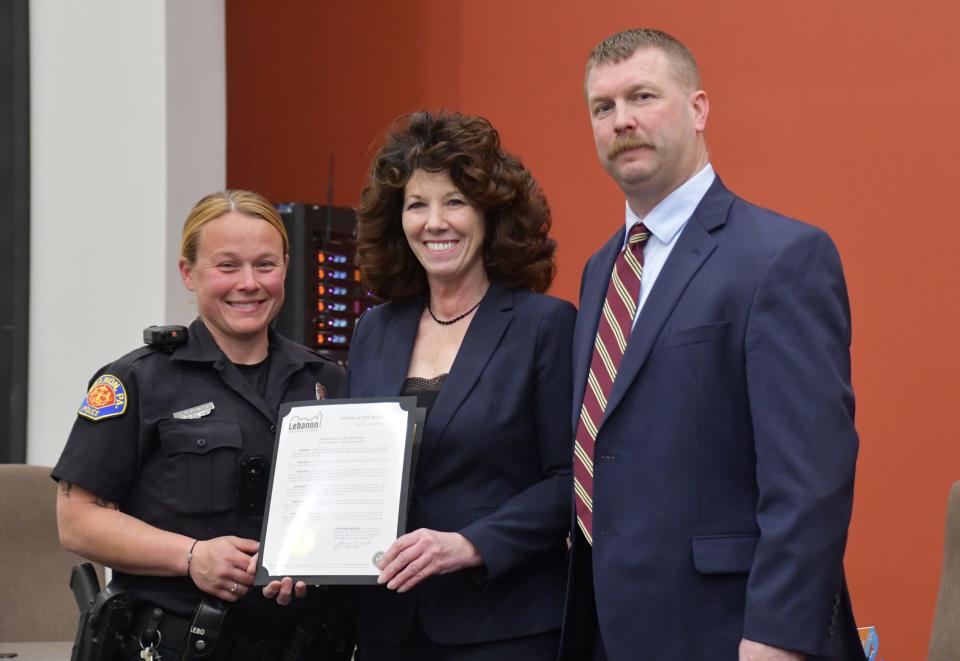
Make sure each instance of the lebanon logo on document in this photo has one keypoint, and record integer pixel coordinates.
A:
(304, 423)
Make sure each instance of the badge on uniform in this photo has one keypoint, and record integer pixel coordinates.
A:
(107, 398)
(320, 391)
(194, 413)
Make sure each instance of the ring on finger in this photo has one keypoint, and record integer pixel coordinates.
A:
(235, 588)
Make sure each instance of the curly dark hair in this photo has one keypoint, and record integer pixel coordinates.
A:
(516, 248)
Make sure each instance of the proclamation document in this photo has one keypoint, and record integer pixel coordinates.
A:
(339, 488)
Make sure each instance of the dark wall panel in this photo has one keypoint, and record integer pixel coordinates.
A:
(14, 228)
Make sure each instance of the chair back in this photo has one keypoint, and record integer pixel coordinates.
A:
(945, 638)
(34, 568)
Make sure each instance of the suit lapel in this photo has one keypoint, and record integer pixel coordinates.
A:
(688, 255)
(397, 346)
(591, 303)
(481, 340)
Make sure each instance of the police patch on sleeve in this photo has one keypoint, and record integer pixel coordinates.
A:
(107, 398)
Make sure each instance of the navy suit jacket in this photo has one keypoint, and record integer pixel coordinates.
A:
(724, 465)
(494, 465)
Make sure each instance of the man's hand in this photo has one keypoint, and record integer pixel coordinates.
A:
(283, 590)
(422, 553)
(220, 566)
(753, 651)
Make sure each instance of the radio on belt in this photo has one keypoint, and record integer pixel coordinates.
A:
(166, 338)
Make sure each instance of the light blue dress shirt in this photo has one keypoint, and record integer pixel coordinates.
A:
(665, 222)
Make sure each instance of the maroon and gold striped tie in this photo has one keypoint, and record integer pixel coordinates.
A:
(613, 331)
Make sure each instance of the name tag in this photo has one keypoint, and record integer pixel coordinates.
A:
(195, 412)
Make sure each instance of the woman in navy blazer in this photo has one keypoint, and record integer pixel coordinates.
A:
(453, 233)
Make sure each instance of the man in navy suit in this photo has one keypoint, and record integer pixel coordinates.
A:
(715, 466)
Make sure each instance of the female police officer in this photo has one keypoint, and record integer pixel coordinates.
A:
(155, 479)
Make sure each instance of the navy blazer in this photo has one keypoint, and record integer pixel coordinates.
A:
(494, 465)
(723, 478)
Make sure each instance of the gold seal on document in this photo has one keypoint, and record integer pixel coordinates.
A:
(303, 542)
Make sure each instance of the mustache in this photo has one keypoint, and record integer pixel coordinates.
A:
(623, 143)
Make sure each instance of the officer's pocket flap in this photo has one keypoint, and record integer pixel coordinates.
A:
(200, 465)
(724, 554)
(198, 436)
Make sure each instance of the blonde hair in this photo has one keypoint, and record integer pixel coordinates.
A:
(219, 204)
(620, 46)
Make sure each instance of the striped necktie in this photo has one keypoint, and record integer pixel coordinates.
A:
(613, 330)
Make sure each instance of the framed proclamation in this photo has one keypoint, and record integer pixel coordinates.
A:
(339, 488)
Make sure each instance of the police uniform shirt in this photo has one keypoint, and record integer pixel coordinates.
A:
(148, 439)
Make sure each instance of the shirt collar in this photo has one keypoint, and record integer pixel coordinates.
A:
(667, 218)
(201, 347)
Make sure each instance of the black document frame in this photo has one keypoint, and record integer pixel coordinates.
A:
(415, 420)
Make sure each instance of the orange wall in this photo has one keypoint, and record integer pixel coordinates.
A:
(843, 114)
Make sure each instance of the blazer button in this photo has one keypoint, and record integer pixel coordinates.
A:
(273, 428)
(201, 442)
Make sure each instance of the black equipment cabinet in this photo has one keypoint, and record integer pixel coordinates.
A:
(324, 296)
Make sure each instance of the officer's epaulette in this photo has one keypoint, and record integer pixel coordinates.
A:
(317, 354)
(302, 352)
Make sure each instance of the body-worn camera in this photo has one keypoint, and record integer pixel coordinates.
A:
(254, 473)
(166, 338)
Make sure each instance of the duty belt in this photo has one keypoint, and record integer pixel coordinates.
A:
(197, 641)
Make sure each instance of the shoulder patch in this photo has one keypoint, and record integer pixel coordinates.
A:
(107, 398)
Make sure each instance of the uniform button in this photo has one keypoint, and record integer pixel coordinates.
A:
(201, 442)
(273, 428)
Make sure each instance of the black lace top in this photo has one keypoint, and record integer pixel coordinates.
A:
(425, 390)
